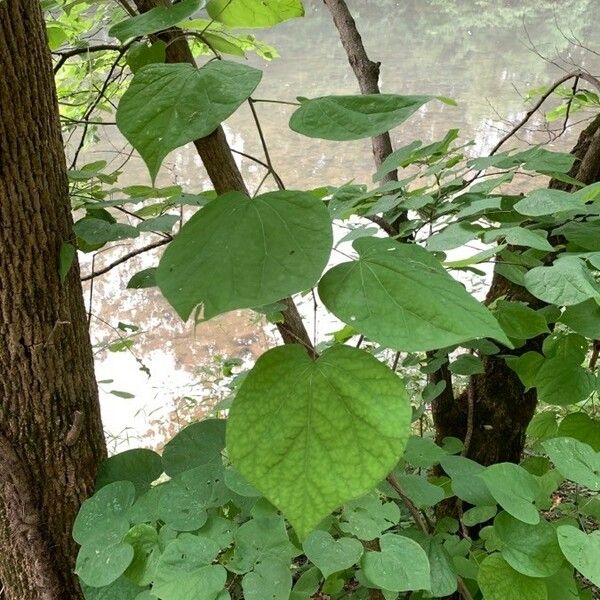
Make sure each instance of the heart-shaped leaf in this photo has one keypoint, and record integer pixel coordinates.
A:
(401, 296)
(575, 460)
(331, 555)
(499, 581)
(169, 105)
(581, 550)
(239, 252)
(312, 434)
(343, 118)
(400, 566)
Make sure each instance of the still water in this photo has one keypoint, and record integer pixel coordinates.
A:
(485, 54)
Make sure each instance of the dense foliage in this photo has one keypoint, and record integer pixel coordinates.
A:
(316, 481)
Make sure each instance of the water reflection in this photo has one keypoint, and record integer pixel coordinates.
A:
(478, 53)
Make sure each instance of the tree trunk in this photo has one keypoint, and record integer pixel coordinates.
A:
(50, 430)
(501, 409)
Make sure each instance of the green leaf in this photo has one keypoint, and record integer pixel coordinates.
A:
(581, 550)
(499, 581)
(169, 105)
(307, 585)
(250, 13)
(519, 236)
(566, 282)
(545, 202)
(103, 516)
(184, 570)
(56, 36)
(575, 461)
(311, 434)
(121, 589)
(453, 236)
(343, 118)
(98, 231)
(420, 491)
(519, 321)
(164, 223)
(239, 252)
(584, 234)
(400, 296)
(146, 553)
(400, 566)
(581, 427)
(156, 19)
(542, 426)
(526, 367)
(465, 483)
(196, 445)
(479, 514)
(466, 364)
(367, 517)
(143, 279)
(270, 579)
(331, 555)
(532, 550)
(423, 452)
(443, 573)
(584, 318)
(141, 54)
(140, 466)
(514, 489)
(65, 260)
(561, 382)
(101, 564)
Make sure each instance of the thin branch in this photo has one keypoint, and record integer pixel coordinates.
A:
(64, 56)
(470, 419)
(125, 258)
(594, 357)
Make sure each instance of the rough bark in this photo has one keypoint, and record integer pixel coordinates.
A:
(50, 430)
(502, 409)
(222, 169)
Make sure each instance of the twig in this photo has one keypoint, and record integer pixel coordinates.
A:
(265, 148)
(412, 509)
(470, 419)
(64, 56)
(569, 104)
(125, 258)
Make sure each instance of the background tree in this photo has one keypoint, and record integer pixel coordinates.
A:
(51, 438)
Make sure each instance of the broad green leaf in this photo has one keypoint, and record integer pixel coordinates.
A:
(532, 550)
(103, 516)
(102, 564)
(561, 383)
(331, 555)
(270, 578)
(562, 586)
(343, 118)
(423, 452)
(423, 493)
(581, 550)
(98, 231)
(164, 223)
(575, 461)
(533, 159)
(56, 36)
(499, 581)
(238, 484)
(519, 321)
(454, 235)
(196, 445)
(584, 318)
(307, 585)
(548, 202)
(400, 296)
(566, 282)
(140, 466)
(169, 105)
(65, 259)
(140, 54)
(467, 364)
(121, 589)
(252, 13)
(514, 489)
(581, 427)
(145, 278)
(156, 19)
(519, 236)
(465, 483)
(239, 252)
(184, 570)
(584, 234)
(218, 529)
(400, 566)
(443, 572)
(542, 426)
(311, 434)
(479, 514)
(526, 367)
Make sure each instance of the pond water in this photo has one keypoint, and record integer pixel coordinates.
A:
(485, 54)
